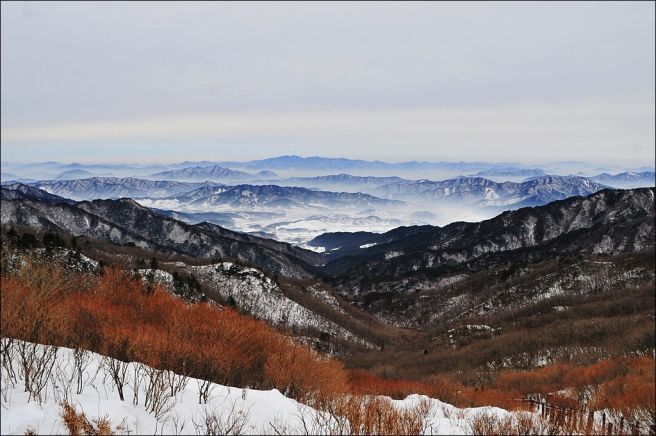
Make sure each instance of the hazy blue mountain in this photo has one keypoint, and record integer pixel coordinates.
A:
(511, 172)
(293, 162)
(115, 187)
(213, 172)
(342, 182)
(484, 192)
(8, 176)
(74, 174)
(627, 179)
(274, 196)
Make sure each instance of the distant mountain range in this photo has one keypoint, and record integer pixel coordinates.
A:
(511, 172)
(345, 182)
(483, 192)
(628, 179)
(8, 176)
(293, 162)
(74, 174)
(115, 187)
(381, 192)
(325, 163)
(213, 172)
(273, 196)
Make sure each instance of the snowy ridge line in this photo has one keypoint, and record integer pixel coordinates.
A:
(162, 402)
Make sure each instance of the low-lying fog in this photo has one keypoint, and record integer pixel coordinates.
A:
(300, 225)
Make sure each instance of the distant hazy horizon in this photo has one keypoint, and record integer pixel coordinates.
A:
(164, 162)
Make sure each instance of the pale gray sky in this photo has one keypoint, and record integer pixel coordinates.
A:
(138, 82)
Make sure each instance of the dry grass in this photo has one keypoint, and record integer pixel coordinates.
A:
(78, 424)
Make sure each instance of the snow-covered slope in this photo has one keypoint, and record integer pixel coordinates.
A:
(21, 191)
(486, 193)
(628, 179)
(126, 222)
(149, 410)
(250, 410)
(252, 292)
(114, 187)
(270, 197)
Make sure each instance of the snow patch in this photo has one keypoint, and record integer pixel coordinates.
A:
(392, 254)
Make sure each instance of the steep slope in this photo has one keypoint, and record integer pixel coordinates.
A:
(255, 294)
(126, 222)
(342, 244)
(609, 222)
(21, 191)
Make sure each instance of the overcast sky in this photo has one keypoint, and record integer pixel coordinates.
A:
(137, 82)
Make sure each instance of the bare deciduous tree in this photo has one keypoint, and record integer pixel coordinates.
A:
(117, 371)
(157, 401)
(204, 390)
(231, 420)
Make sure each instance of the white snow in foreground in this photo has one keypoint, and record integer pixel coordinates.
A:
(250, 411)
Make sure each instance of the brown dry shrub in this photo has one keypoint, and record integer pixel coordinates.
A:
(115, 315)
(444, 388)
(364, 415)
(78, 424)
(301, 373)
(515, 424)
(487, 423)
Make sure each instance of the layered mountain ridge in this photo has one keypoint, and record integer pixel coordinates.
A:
(409, 277)
(115, 187)
(484, 192)
(125, 222)
(608, 222)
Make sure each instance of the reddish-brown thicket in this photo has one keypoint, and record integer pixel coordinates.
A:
(624, 384)
(116, 315)
(441, 387)
(365, 383)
